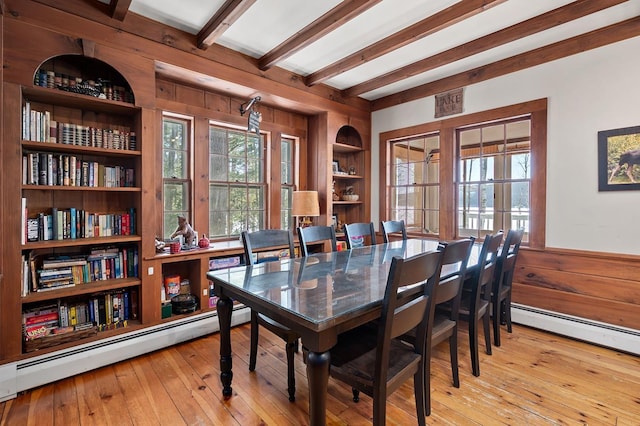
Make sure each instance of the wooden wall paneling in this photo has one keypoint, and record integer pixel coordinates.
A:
(165, 90)
(538, 177)
(448, 193)
(189, 95)
(597, 286)
(217, 102)
(10, 332)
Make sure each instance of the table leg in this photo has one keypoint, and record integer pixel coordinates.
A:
(318, 377)
(225, 307)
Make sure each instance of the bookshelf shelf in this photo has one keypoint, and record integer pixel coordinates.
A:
(80, 289)
(61, 147)
(80, 188)
(78, 242)
(79, 101)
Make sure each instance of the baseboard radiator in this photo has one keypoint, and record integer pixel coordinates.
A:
(599, 333)
(37, 371)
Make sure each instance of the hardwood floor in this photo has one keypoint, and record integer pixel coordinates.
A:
(534, 378)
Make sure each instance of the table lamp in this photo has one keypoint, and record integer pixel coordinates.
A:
(304, 205)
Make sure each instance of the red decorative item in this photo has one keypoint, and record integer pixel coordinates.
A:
(203, 242)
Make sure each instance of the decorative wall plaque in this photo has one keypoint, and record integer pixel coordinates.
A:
(449, 103)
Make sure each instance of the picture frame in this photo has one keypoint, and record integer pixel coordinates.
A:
(336, 167)
(334, 221)
(619, 159)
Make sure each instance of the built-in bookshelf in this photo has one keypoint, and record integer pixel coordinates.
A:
(81, 194)
(348, 167)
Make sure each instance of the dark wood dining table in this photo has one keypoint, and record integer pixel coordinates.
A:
(319, 296)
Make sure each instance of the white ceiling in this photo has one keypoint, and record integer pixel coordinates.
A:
(268, 23)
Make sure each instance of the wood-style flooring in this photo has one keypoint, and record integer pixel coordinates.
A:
(534, 378)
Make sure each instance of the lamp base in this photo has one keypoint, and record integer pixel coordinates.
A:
(305, 222)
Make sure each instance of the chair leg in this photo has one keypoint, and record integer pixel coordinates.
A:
(496, 307)
(422, 394)
(487, 332)
(291, 373)
(473, 346)
(453, 354)
(356, 394)
(507, 313)
(253, 350)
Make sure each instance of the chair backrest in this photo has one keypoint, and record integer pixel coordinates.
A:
(316, 234)
(358, 233)
(487, 262)
(455, 256)
(507, 259)
(404, 311)
(393, 227)
(266, 240)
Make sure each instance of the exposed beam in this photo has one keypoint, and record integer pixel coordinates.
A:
(328, 22)
(118, 9)
(421, 29)
(582, 43)
(559, 16)
(221, 21)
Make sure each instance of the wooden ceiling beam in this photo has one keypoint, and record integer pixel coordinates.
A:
(328, 22)
(430, 25)
(118, 9)
(559, 16)
(591, 40)
(221, 21)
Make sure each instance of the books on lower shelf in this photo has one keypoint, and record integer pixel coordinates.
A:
(100, 264)
(54, 169)
(97, 312)
(73, 223)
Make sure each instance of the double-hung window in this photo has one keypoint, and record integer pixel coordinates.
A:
(287, 176)
(493, 177)
(237, 187)
(176, 171)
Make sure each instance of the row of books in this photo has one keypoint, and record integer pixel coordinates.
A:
(38, 126)
(68, 271)
(105, 311)
(101, 88)
(42, 168)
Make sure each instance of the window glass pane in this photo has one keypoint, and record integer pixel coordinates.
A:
(218, 167)
(400, 174)
(520, 166)
(175, 197)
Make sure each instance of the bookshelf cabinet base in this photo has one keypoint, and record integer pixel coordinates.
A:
(39, 370)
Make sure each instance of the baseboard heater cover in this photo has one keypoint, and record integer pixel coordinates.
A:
(599, 333)
(54, 366)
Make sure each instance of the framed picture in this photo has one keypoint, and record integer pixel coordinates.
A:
(336, 167)
(334, 221)
(619, 159)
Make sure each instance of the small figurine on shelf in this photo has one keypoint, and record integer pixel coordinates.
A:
(159, 245)
(334, 194)
(352, 171)
(185, 230)
(349, 194)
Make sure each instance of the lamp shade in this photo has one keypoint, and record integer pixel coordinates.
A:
(305, 203)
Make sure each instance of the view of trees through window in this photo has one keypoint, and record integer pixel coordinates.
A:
(415, 187)
(493, 177)
(287, 146)
(236, 182)
(175, 172)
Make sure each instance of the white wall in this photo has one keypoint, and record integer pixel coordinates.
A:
(588, 92)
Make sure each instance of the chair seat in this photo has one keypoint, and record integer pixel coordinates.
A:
(276, 328)
(360, 369)
(442, 326)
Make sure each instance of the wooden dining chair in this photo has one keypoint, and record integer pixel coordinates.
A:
(390, 227)
(501, 292)
(474, 304)
(455, 256)
(359, 234)
(270, 240)
(314, 235)
(370, 359)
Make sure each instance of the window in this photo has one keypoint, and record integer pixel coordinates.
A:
(176, 174)
(493, 177)
(237, 187)
(287, 146)
(487, 172)
(415, 176)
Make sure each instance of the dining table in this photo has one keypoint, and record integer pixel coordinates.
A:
(318, 296)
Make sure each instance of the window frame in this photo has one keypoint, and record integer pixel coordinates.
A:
(536, 109)
(188, 180)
